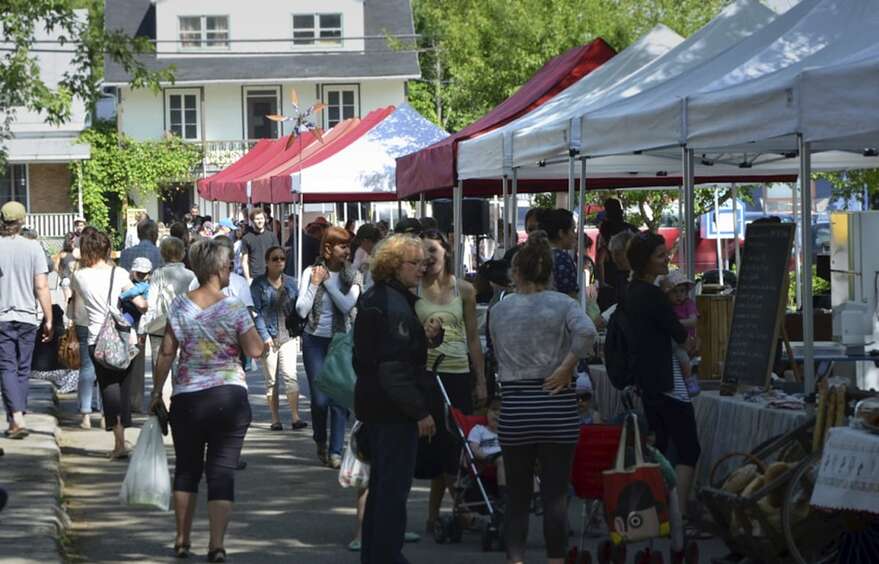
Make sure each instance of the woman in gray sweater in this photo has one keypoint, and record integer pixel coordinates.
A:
(538, 335)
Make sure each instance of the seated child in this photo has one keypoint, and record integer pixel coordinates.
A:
(583, 388)
(678, 287)
(140, 271)
(485, 444)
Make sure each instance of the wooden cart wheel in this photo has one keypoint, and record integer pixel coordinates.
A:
(813, 536)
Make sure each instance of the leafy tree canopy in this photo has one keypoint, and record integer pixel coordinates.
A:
(21, 82)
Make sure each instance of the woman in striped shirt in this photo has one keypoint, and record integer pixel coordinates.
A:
(538, 336)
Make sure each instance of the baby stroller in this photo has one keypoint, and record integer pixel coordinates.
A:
(596, 452)
(470, 492)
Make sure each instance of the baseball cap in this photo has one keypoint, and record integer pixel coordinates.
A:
(227, 223)
(79, 219)
(142, 265)
(409, 226)
(678, 277)
(13, 211)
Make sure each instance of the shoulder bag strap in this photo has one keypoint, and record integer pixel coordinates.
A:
(110, 291)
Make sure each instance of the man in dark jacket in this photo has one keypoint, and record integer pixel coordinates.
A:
(390, 351)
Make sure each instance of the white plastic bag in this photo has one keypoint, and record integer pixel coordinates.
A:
(147, 482)
(353, 473)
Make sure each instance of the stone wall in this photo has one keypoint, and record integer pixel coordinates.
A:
(49, 185)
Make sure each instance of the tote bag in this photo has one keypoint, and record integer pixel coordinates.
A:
(635, 497)
(337, 377)
(113, 349)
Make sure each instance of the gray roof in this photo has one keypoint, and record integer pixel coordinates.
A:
(394, 17)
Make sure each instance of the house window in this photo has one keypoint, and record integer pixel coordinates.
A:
(342, 103)
(317, 29)
(258, 103)
(182, 114)
(199, 32)
(13, 184)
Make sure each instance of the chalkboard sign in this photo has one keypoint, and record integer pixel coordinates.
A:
(761, 294)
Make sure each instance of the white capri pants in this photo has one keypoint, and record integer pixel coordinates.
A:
(280, 364)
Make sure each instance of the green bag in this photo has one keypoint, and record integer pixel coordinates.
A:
(337, 377)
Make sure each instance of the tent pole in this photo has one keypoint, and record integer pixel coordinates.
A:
(571, 183)
(399, 210)
(79, 190)
(300, 226)
(581, 240)
(506, 217)
(514, 196)
(422, 205)
(682, 238)
(719, 241)
(689, 212)
(735, 212)
(798, 250)
(806, 277)
(457, 205)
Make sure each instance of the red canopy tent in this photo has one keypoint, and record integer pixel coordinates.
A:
(434, 168)
(204, 184)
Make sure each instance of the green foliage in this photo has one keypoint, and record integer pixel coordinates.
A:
(851, 183)
(820, 287)
(488, 48)
(119, 165)
(21, 82)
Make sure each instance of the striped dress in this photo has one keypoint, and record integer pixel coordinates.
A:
(532, 334)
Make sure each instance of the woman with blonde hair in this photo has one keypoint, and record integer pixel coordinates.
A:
(328, 292)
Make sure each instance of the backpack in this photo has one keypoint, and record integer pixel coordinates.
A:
(619, 350)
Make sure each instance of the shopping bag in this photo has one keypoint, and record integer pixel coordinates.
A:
(147, 482)
(337, 377)
(353, 473)
(116, 346)
(635, 497)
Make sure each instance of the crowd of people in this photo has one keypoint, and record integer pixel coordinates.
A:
(214, 300)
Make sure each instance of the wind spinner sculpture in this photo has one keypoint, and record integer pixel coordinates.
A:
(303, 120)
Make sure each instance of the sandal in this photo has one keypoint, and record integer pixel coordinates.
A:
(18, 434)
(217, 555)
(182, 550)
(276, 427)
(297, 425)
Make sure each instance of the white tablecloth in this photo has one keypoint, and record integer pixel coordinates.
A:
(849, 473)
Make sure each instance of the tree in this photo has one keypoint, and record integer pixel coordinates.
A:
(486, 49)
(119, 165)
(21, 82)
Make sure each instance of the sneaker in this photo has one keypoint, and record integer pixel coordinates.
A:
(86, 422)
(354, 546)
(335, 461)
(322, 454)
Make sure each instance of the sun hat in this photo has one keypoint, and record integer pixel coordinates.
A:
(142, 265)
(227, 223)
(677, 277)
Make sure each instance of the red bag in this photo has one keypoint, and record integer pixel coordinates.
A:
(635, 497)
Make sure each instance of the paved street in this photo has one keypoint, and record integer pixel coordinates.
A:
(288, 508)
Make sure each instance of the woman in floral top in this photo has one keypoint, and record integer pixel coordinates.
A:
(209, 406)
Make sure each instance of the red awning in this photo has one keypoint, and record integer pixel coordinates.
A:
(434, 167)
(204, 184)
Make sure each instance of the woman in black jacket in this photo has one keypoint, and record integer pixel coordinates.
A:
(654, 324)
(390, 351)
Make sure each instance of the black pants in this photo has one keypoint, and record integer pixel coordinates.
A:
(555, 472)
(674, 421)
(115, 386)
(216, 419)
(392, 448)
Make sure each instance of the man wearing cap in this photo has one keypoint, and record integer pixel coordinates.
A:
(23, 277)
(314, 232)
(148, 233)
(408, 226)
(225, 227)
(79, 224)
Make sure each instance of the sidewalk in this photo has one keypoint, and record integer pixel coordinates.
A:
(33, 522)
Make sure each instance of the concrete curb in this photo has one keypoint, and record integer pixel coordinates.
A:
(34, 522)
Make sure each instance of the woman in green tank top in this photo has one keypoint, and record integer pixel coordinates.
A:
(453, 302)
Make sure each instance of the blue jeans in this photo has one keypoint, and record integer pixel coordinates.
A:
(314, 350)
(88, 380)
(17, 341)
(392, 449)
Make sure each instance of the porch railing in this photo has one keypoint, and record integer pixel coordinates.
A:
(51, 225)
(220, 154)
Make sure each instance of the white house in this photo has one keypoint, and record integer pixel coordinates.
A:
(39, 156)
(235, 61)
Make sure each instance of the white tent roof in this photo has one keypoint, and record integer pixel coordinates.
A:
(489, 155)
(746, 93)
(826, 90)
(557, 133)
(369, 164)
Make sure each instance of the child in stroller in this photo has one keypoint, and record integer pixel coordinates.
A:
(486, 446)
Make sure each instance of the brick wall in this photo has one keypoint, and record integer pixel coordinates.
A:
(49, 186)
